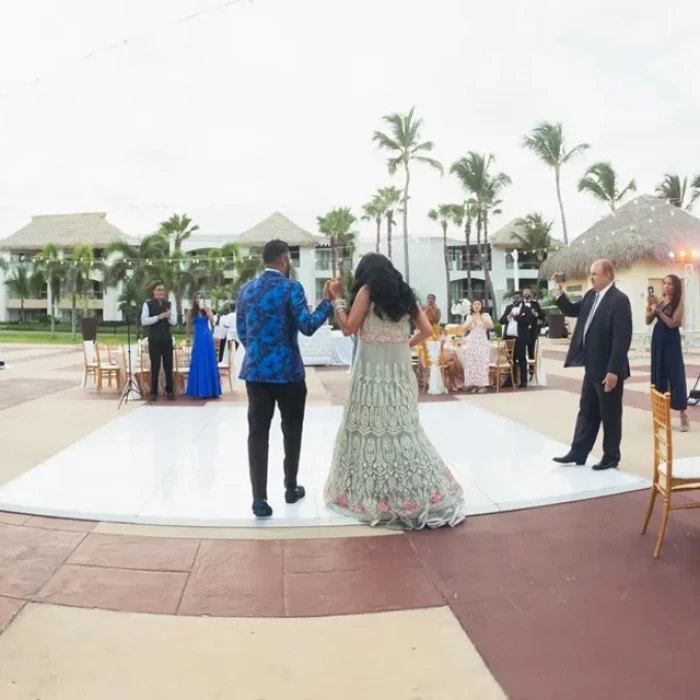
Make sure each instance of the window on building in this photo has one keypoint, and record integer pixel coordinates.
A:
(323, 259)
(319, 287)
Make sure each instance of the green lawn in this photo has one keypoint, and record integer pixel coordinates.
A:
(62, 337)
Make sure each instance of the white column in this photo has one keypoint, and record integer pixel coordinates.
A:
(516, 271)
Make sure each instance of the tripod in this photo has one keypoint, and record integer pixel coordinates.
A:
(130, 387)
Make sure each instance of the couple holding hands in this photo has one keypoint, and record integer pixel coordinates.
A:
(384, 468)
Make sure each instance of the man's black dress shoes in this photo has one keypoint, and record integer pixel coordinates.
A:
(295, 494)
(569, 459)
(605, 465)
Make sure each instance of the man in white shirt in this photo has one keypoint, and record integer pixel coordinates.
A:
(158, 318)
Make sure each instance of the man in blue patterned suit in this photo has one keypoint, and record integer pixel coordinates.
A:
(272, 311)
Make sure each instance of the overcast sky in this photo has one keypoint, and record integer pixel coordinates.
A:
(271, 105)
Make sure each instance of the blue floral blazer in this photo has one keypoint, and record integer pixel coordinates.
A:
(271, 312)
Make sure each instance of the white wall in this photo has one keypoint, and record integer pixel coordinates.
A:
(4, 314)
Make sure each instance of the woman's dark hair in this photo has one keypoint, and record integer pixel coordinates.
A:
(677, 291)
(388, 291)
(195, 310)
(481, 303)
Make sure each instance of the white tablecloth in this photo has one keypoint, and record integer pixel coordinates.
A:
(435, 383)
(341, 349)
(318, 348)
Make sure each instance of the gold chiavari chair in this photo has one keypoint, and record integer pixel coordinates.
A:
(106, 368)
(183, 357)
(669, 477)
(533, 365)
(503, 366)
(226, 367)
(90, 363)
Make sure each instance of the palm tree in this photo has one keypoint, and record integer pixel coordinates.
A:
(600, 181)
(546, 141)
(673, 189)
(473, 173)
(177, 228)
(179, 274)
(374, 210)
(50, 269)
(141, 263)
(405, 146)
(337, 225)
(212, 270)
(536, 235)
(445, 214)
(390, 198)
(79, 271)
(21, 286)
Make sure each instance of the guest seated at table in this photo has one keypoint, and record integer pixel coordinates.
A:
(433, 314)
(477, 350)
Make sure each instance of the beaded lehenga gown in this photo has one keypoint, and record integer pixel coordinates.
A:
(385, 469)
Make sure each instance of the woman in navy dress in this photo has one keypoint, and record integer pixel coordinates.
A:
(203, 380)
(667, 367)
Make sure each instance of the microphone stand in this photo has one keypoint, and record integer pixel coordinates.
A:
(130, 387)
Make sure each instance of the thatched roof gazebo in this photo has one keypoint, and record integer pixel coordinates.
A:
(647, 228)
(278, 226)
(65, 231)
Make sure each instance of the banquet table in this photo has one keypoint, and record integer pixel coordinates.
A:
(341, 349)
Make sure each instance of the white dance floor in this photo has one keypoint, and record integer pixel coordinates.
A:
(188, 466)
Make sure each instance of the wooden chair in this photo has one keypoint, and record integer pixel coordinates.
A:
(181, 369)
(226, 367)
(90, 363)
(533, 365)
(669, 477)
(106, 367)
(503, 366)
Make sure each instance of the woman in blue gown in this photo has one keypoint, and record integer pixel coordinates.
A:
(667, 367)
(203, 380)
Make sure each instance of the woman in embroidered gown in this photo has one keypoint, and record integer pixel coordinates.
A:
(477, 351)
(385, 469)
(203, 380)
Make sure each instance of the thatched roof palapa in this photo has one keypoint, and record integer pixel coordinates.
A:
(65, 231)
(278, 226)
(647, 228)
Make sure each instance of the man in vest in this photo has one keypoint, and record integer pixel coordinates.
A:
(157, 316)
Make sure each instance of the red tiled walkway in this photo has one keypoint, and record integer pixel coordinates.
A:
(562, 602)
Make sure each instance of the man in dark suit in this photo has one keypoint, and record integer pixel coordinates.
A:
(516, 321)
(600, 344)
(534, 329)
(271, 312)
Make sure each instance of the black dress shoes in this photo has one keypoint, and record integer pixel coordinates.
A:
(295, 494)
(605, 464)
(569, 459)
(154, 398)
(261, 508)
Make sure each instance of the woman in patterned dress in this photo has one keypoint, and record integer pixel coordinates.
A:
(477, 351)
(385, 469)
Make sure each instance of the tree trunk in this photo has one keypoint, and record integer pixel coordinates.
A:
(468, 257)
(178, 306)
(448, 304)
(21, 309)
(561, 207)
(379, 233)
(490, 295)
(389, 223)
(341, 262)
(405, 225)
(334, 257)
(73, 315)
